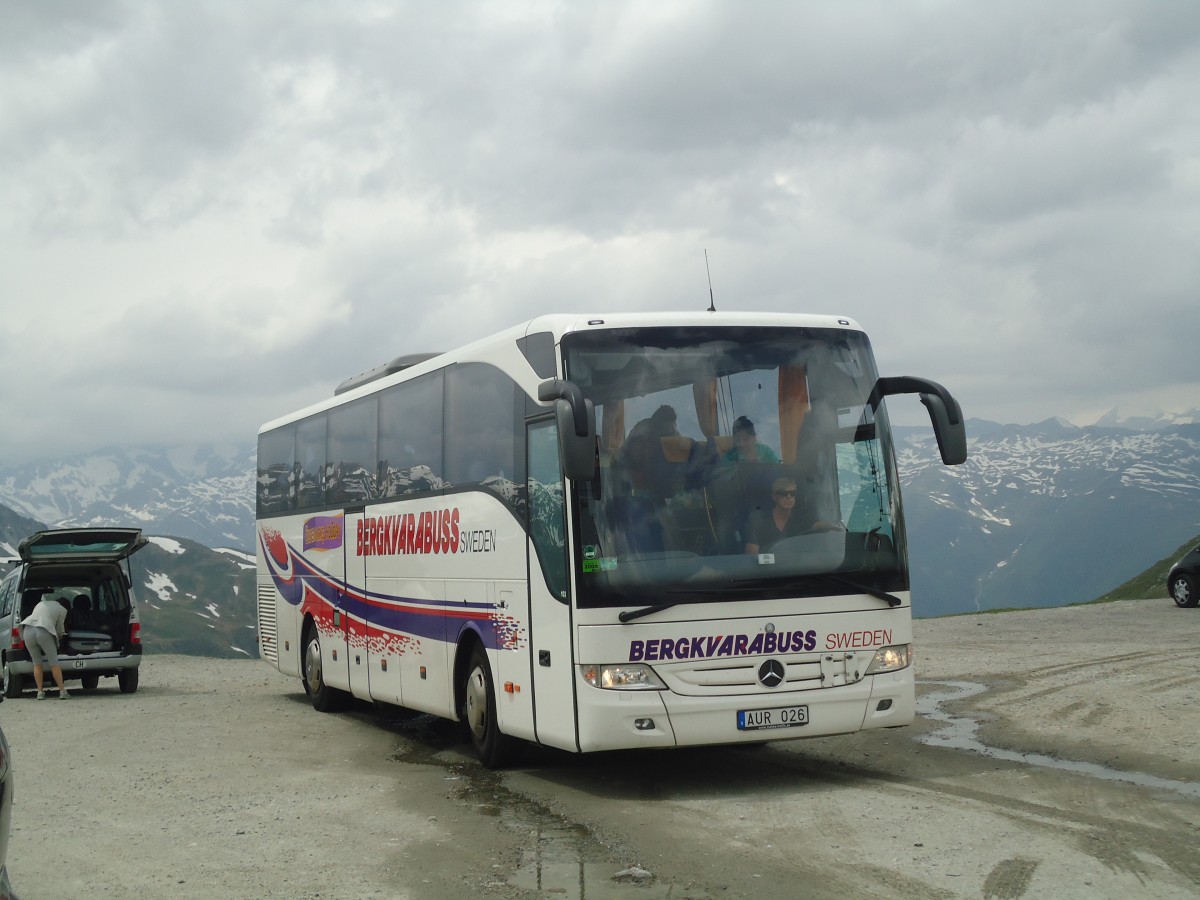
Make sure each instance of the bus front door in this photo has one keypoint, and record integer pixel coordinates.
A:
(550, 645)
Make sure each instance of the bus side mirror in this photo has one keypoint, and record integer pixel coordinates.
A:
(951, 435)
(944, 412)
(576, 418)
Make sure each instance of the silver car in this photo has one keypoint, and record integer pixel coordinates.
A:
(83, 567)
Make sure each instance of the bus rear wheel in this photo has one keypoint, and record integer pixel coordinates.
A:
(493, 747)
(323, 697)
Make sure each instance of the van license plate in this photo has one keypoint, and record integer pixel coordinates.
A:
(778, 717)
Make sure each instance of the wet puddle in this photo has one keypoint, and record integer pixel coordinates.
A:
(556, 865)
(561, 859)
(961, 733)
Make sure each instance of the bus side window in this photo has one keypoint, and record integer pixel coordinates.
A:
(410, 437)
(310, 463)
(352, 439)
(276, 490)
(485, 422)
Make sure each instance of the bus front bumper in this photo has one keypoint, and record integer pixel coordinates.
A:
(618, 720)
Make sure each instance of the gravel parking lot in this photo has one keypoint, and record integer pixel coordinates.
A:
(217, 779)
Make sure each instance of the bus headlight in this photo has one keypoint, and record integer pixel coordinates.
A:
(623, 677)
(890, 659)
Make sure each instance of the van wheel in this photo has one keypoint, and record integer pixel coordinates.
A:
(90, 682)
(128, 679)
(13, 683)
(323, 697)
(1183, 591)
(493, 747)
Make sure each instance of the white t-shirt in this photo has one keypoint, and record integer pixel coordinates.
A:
(48, 614)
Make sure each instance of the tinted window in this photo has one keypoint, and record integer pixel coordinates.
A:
(7, 591)
(276, 487)
(547, 510)
(482, 416)
(352, 465)
(310, 462)
(410, 437)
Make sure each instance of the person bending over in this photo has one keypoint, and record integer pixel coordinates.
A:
(42, 629)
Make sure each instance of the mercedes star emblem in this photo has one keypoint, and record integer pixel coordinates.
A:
(770, 673)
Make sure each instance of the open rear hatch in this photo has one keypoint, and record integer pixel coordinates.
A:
(78, 544)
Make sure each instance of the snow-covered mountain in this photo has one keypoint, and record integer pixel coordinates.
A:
(1039, 515)
(1046, 514)
(201, 492)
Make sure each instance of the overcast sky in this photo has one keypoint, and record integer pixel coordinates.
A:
(213, 212)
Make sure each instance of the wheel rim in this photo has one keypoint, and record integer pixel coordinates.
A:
(477, 703)
(1180, 591)
(312, 665)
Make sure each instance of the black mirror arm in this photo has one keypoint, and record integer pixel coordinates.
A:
(907, 384)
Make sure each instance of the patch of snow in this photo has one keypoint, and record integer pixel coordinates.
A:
(160, 585)
(171, 546)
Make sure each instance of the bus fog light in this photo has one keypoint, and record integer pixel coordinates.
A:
(623, 677)
(890, 659)
(643, 724)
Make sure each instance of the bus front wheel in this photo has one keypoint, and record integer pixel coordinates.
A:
(493, 747)
(323, 697)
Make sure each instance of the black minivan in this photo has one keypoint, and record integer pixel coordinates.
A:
(83, 567)
(1181, 580)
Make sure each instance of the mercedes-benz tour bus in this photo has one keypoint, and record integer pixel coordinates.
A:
(602, 532)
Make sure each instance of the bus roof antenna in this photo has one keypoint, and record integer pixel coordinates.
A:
(712, 304)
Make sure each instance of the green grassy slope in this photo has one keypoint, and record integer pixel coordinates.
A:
(1151, 583)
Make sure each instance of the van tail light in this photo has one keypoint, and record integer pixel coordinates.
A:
(17, 642)
(135, 633)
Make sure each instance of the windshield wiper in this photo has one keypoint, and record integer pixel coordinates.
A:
(891, 599)
(630, 614)
(714, 595)
(751, 584)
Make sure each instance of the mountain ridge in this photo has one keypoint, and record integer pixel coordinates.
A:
(1047, 514)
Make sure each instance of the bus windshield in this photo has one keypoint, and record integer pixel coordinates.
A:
(735, 463)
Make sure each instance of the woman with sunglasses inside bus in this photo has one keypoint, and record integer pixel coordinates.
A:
(766, 527)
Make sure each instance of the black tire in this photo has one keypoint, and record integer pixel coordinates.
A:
(493, 747)
(323, 697)
(128, 679)
(1183, 590)
(90, 682)
(13, 683)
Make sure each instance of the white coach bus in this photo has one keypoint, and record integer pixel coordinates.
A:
(602, 532)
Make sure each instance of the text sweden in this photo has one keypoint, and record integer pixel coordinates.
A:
(747, 645)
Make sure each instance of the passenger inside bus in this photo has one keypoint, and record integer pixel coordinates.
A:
(644, 454)
(746, 445)
(766, 526)
(787, 517)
